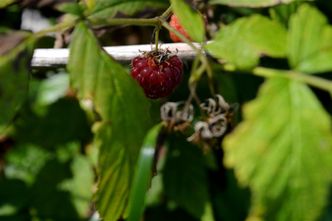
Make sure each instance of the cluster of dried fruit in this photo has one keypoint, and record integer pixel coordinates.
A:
(178, 116)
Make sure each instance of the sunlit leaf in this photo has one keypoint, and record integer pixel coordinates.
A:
(80, 185)
(124, 112)
(208, 213)
(52, 89)
(283, 152)
(246, 40)
(309, 41)
(187, 17)
(253, 3)
(24, 162)
(15, 55)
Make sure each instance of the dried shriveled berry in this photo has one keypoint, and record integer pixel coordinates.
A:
(158, 73)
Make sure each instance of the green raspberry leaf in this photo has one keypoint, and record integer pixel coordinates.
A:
(124, 112)
(309, 41)
(283, 152)
(247, 39)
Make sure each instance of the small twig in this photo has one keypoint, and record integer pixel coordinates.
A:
(160, 18)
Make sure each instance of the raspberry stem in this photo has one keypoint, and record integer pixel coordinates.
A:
(156, 21)
(156, 37)
(166, 14)
(124, 21)
(210, 76)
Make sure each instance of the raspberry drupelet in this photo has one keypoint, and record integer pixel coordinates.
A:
(158, 73)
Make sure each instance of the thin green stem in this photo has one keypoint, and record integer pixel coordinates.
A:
(312, 80)
(188, 102)
(130, 21)
(125, 21)
(109, 22)
(193, 94)
(209, 74)
(166, 14)
(156, 37)
(305, 78)
(195, 65)
(194, 77)
(58, 27)
(196, 73)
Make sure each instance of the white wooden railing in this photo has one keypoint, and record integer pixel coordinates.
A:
(124, 54)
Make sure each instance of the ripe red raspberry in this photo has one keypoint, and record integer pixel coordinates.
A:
(174, 22)
(158, 73)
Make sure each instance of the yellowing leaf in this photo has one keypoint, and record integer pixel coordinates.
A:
(124, 112)
(283, 152)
